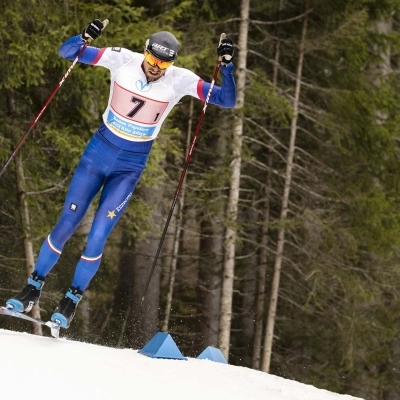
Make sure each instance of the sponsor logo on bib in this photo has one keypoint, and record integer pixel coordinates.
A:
(143, 86)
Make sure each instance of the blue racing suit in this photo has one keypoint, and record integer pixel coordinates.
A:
(116, 155)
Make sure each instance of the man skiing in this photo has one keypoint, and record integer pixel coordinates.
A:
(143, 90)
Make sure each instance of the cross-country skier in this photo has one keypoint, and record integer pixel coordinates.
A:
(144, 88)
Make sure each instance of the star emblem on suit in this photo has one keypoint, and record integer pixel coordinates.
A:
(111, 214)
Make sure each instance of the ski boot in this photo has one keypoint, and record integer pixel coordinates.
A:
(66, 308)
(29, 296)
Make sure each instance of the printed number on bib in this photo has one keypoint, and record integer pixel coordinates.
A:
(144, 110)
(139, 104)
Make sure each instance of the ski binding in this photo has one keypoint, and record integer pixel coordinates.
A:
(54, 326)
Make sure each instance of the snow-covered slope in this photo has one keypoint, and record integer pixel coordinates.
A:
(34, 367)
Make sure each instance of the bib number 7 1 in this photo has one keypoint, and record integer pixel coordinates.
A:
(139, 103)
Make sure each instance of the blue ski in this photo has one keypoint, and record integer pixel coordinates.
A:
(54, 328)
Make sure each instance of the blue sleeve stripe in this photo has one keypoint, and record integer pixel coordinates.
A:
(91, 55)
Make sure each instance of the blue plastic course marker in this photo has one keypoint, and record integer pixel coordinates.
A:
(162, 346)
(212, 354)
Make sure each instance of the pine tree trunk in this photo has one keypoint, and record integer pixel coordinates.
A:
(248, 287)
(261, 276)
(233, 201)
(211, 251)
(266, 362)
(177, 233)
(24, 213)
(122, 306)
(26, 226)
(263, 256)
(209, 282)
(141, 263)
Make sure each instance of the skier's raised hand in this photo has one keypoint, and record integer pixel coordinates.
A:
(93, 30)
(226, 50)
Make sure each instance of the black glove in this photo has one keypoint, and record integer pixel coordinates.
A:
(93, 30)
(226, 50)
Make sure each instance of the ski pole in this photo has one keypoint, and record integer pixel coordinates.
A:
(178, 189)
(36, 119)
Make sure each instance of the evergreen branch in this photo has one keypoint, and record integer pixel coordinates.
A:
(52, 189)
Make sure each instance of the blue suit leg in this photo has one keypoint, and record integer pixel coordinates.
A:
(85, 184)
(115, 196)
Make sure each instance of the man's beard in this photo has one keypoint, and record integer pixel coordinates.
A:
(151, 78)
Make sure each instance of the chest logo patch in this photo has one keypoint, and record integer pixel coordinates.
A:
(143, 86)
